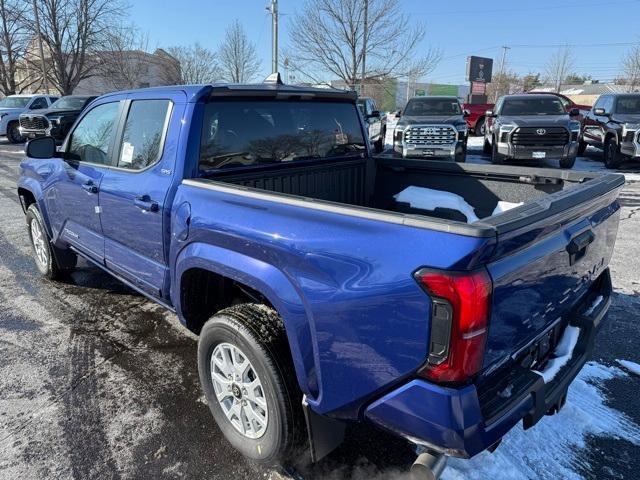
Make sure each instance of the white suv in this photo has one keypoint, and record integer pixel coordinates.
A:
(12, 106)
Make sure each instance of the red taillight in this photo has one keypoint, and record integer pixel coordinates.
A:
(459, 318)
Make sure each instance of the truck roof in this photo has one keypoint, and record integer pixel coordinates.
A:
(527, 96)
(272, 89)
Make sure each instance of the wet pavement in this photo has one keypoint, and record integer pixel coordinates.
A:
(98, 382)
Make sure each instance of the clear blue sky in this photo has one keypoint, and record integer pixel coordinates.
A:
(458, 28)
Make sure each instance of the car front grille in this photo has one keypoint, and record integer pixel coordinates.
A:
(540, 136)
(36, 122)
(432, 135)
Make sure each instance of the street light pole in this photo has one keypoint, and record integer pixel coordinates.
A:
(274, 35)
(45, 82)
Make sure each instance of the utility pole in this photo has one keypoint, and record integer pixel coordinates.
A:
(364, 46)
(273, 9)
(45, 82)
(502, 64)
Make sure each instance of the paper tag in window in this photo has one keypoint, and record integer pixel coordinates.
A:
(342, 139)
(127, 153)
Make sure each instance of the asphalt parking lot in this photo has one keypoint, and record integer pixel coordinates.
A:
(98, 382)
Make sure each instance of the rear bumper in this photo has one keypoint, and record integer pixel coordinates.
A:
(456, 422)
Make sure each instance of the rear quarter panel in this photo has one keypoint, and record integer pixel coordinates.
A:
(356, 319)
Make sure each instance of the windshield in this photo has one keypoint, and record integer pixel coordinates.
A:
(246, 133)
(628, 105)
(14, 102)
(68, 103)
(432, 106)
(532, 106)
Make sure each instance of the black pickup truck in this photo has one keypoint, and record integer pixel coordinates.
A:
(56, 120)
(432, 127)
(613, 125)
(532, 127)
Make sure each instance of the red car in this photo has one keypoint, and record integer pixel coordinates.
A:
(476, 118)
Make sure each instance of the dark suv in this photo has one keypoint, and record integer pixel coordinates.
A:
(613, 125)
(56, 120)
(432, 127)
(532, 127)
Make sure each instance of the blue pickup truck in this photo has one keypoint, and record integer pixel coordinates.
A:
(259, 214)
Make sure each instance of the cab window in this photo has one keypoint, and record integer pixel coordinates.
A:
(92, 139)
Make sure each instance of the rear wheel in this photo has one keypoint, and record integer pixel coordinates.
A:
(13, 133)
(479, 128)
(47, 257)
(582, 147)
(248, 379)
(612, 156)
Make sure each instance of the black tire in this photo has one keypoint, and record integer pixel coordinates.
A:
(378, 146)
(486, 147)
(567, 162)
(496, 158)
(479, 128)
(582, 147)
(461, 155)
(257, 331)
(13, 133)
(53, 263)
(612, 156)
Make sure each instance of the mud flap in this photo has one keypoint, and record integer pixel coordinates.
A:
(325, 434)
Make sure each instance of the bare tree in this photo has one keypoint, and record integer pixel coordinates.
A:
(195, 64)
(328, 36)
(73, 31)
(122, 57)
(560, 65)
(631, 66)
(238, 58)
(14, 38)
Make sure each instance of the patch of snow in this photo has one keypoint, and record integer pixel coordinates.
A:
(594, 305)
(630, 366)
(562, 354)
(503, 206)
(430, 199)
(555, 447)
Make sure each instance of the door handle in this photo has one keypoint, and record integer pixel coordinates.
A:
(90, 187)
(577, 247)
(145, 203)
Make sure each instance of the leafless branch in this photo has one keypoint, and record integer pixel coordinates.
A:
(237, 54)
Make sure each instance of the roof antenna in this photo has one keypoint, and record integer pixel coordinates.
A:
(274, 79)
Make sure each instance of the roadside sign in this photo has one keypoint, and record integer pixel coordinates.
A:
(479, 69)
(420, 93)
(478, 88)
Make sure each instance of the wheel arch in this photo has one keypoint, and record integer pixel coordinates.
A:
(205, 276)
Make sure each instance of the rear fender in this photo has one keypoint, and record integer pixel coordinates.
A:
(271, 283)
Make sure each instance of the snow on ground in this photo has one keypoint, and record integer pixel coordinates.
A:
(630, 366)
(552, 449)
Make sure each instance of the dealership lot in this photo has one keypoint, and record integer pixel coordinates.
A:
(98, 382)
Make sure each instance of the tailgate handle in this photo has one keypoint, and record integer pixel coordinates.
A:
(577, 247)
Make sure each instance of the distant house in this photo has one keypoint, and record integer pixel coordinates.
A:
(112, 70)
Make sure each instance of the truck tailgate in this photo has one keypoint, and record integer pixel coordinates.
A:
(547, 256)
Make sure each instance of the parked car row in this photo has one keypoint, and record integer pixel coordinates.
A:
(29, 116)
(527, 127)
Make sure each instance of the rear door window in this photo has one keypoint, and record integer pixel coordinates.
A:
(247, 133)
(143, 134)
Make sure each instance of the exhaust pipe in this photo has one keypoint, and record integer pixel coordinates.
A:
(428, 466)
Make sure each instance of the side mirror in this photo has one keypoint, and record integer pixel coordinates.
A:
(398, 114)
(599, 111)
(374, 114)
(574, 112)
(466, 113)
(489, 113)
(42, 147)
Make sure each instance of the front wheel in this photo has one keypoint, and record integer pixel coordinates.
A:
(461, 155)
(567, 162)
(582, 147)
(13, 133)
(248, 379)
(496, 157)
(612, 156)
